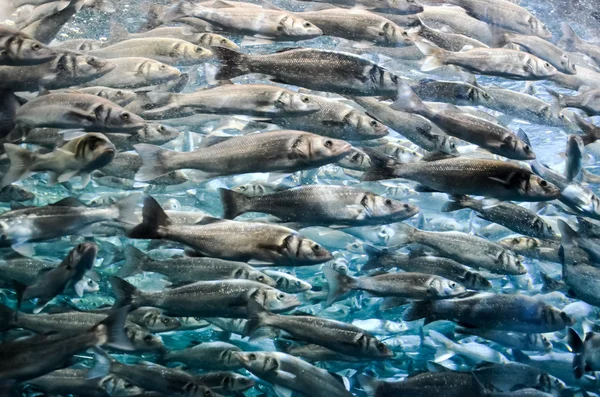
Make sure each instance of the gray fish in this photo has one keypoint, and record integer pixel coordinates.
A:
(358, 25)
(226, 382)
(415, 128)
(571, 42)
(455, 92)
(153, 320)
(507, 377)
(65, 70)
(208, 355)
(335, 119)
(492, 137)
(431, 384)
(490, 178)
(152, 133)
(544, 50)
(445, 40)
(274, 151)
(513, 340)
(13, 193)
(499, 62)
(126, 164)
(404, 285)
(181, 270)
(287, 282)
(54, 281)
(574, 156)
(507, 214)
(399, 7)
(320, 205)
(76, 381)
(18, 49)
(318, 70)
(293, 373)
(546, 250)
(313, 353)
(586, 100)
(135, 72)
(444, 267)
(517, 313)
(30, 358)
(335, 335)
(174, 52)
(260, 242)
(258, 100)
(586, 352)
(226, 298)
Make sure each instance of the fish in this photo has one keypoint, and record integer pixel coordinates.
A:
(264, 243)
(209, 355)
(571, 42)
(273, 151)
(445, 40)
(134, 72)
(587, 100)
(490, 178)
(287, 282)
(18, 49)
(428, 384)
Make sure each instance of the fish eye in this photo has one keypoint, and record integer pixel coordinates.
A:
(515, 241)
(380, 346)
(163, 67)
(207, 393)
(316, 247)
(199, 49)
(36, 47)
(527, 148)
(307, 24)
(90, 283)
(280, 296)
(125, 116)
(166, 320)
(380, 33)
(119, 94)
(252, 357)
(406, 206)
(373, 123)
(329, 143)
(305, 99)
(148, 338)
(297, 283)
(161, 129)
(260, 278)
(223, 41)
(452, 285)
(452, 145)
(279, 28)
(388, 202)
(543, 183)
(547, 65)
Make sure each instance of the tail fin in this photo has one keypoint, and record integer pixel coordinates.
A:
(155, 161)
(7, 318)
(567, 234)
(233, 63)
(153, 217)
(520, 357)
(234, 203)
(339, 284)
(457, 203)
(434, 56)
(587, 228)
(134, 262)
(111, 331)
(419, 310)
(578, 348)
(575, 153)
(257, 316)
(404, 234)
(443, 352)
(21, 161)
(20, 290)
(408, 101)
(559, 99)
(369, 384)
(592, 133)
(127, 295)
(102, 361)
(569, 40)
(118, 33)
(127, 207)
(382, 166)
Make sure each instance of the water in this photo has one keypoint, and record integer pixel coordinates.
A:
(427, 353)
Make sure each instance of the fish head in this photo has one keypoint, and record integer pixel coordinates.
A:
(112, 118)
(520, 244)
(364, 126)
(543, 229)
(472, 93)
(262, 278)
(194, 389)
(115, 386)
(320, 149)
(95, 151)
(445, 144)
(186, 51)
(537, 188)
(275, 300)
(373, 347)
(258, 362)
(236, 382)
(382, 207)
(158, 322)
(556, 318)
(540, 340)
(251, 189)
(518, 147)
(158, 134)
(293, 103)
(214, 40)
(442, 287)
(29, 50)
(540, 68)
(510, 263)
(538, 28)
(392, 34)
(82, 256)
(90, 285)
(120, 97)
(356, 160)
(17, 193)
(159, 72)
(89, 66)
(299, 28)
(356, 247)
(476, 281)
(143, 339)
(307, 251)
(567, 64)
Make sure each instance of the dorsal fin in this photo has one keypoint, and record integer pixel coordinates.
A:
(69, 202)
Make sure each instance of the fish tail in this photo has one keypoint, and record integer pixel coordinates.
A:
(155, 161)
(382, 166)
(233, 63)
(591, 132)
(434, 56)
(111, 331)
(374, 255)
(134, 262)
(339, 284)
(234, 203)
(153, 218)
(443, 352)
(7, 318)
(559, 99)
(567, 234)
(408, 101)
(418, 310)
(21, 162)
(20, 290)
(126, 208)
(102, 362)
(257, 318)
(578, 348)
(369, 384)
(127, 295)
(569, 39)
(456, 203)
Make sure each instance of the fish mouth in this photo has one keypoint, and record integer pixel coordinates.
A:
(343, 150)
